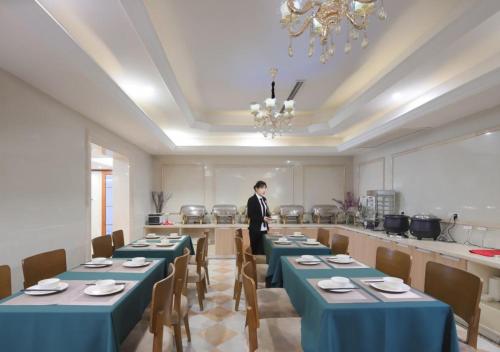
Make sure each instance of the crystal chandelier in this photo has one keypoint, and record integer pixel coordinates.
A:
(324, 17)
(268, 119)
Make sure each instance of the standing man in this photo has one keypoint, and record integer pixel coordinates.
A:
(259, 215)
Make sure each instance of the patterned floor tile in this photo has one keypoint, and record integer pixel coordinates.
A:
(218, 313)
(217, 334)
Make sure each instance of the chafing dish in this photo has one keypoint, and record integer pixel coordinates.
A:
(225, 213)
(325, 213)
(193, 214)
(292, 214)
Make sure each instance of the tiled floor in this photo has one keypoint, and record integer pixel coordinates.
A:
(219, 328)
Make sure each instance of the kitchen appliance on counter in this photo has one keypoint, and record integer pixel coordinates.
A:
(193, 214)
(396, 224)
(156, 219)
(292, 214)
(225, 213)
(367, 212)
(324, 214)
(384, 203)
(425, 226)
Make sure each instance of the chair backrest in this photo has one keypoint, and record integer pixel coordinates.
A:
(161, 301)
(393, 263)
(340, 244)
(238, 233)
(207, 234)
(102, 246)
(118, 239)
(200, 252)
(238, 245)
(43, 266)
(252, 312)
(441, 282)
(324, 237)
(248, 257)
(180, 277)
(5, 281)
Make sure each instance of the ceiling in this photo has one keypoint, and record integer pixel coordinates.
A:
(178, 76)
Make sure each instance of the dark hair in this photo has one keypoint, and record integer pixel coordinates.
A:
(259, 184)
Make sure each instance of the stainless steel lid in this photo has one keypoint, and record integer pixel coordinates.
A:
(425, 217)
(193, 210)
(324, 210)
(291, 210)
(224, 210)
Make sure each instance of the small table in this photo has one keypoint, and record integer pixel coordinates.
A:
(167, 253)
(365, 319)
(275, 251)
(72, 321)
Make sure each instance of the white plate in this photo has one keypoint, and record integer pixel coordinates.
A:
(165, 245)
(328, 285)
(308, 262)
(152, 237)
(130, 264)
(100, 265)
(139, 245)
(382, 286)
(340, 261)
(311, 243)
(173, 237)
(283, 242)
(296, 235)
(93, 290)
(62, 287)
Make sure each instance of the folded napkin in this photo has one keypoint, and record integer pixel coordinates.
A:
(486, 252)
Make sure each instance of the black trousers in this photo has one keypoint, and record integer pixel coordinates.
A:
(257, 241)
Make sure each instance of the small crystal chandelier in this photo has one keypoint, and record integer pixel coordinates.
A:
(324, 17)
(269, 120)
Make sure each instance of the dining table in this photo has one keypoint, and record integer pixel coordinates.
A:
(274, 251)
(74, 321)
(364, 318)
(152, 250)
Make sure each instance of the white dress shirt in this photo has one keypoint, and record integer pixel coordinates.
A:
(263, 209)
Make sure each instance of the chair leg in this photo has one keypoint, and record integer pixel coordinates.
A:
(186, 325)
(238, 296)
(158, 339)
(199, 288)
(234, 288)
(178, 337)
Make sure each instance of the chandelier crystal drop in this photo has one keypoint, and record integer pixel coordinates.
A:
(325, 18)
(270, 120)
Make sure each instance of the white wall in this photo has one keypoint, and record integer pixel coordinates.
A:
(209, 180)
(45, 176)
(452, 169)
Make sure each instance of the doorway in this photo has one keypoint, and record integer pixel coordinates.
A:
(109, 192)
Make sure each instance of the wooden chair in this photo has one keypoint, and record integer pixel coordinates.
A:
(260, 269)
(197, 273)
(393, 263)
(271, 302)
(102, 246)
(118, 239)
(205, 263)
(43, 266)
(271, 334)
(323, 237)
(442, 281)
(161, 310)
(340, 244)
(238, 284)
(5, 281)
(261, 259)
(180, 306)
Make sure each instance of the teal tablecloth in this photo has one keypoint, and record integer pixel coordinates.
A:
(167, 253)
(424, 326)
(77, 328)
(275, 252)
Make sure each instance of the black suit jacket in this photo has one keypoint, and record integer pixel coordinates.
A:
(254, 213)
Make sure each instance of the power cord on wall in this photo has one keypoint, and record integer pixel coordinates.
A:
(446, 235)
